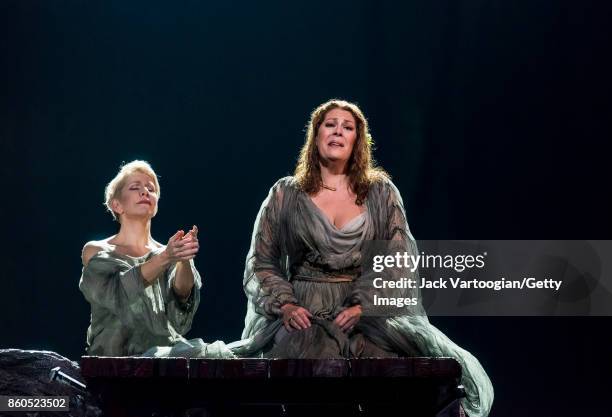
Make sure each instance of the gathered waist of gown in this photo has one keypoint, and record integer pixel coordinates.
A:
(309, 272)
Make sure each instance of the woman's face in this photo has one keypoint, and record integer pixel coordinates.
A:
(138, 197)
(337, 135)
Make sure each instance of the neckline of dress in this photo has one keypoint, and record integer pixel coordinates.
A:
(125, 255)
(112, 248)
(322, 214)
(146, 255)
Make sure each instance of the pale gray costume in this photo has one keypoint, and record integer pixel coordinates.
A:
(128, 319)
(297, 256)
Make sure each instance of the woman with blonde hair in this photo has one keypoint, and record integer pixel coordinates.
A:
(143, 294)
(309, 292)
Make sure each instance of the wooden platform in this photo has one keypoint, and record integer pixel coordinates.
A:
(413, 387)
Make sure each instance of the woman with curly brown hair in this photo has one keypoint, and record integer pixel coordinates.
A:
(309, 290)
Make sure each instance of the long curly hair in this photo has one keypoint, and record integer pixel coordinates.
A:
(362, 171)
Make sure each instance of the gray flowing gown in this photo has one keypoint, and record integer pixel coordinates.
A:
(298, 256)
(128, 319)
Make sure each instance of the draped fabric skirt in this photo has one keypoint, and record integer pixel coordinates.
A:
(325, 339)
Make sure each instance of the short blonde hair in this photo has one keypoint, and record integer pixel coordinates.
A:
(114, 187)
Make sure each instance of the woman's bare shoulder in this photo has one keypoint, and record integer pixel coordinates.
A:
(93, 247)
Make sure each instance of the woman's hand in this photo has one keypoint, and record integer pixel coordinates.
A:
(182, 247)
(348, 318)
(295, 317)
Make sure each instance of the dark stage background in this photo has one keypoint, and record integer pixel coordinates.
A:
(493, 118)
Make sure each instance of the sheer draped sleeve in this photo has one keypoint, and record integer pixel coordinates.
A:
(392, 235)
(181, 313)
(265, 276)
(111, 283)
(115, 286)
(265, 279)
